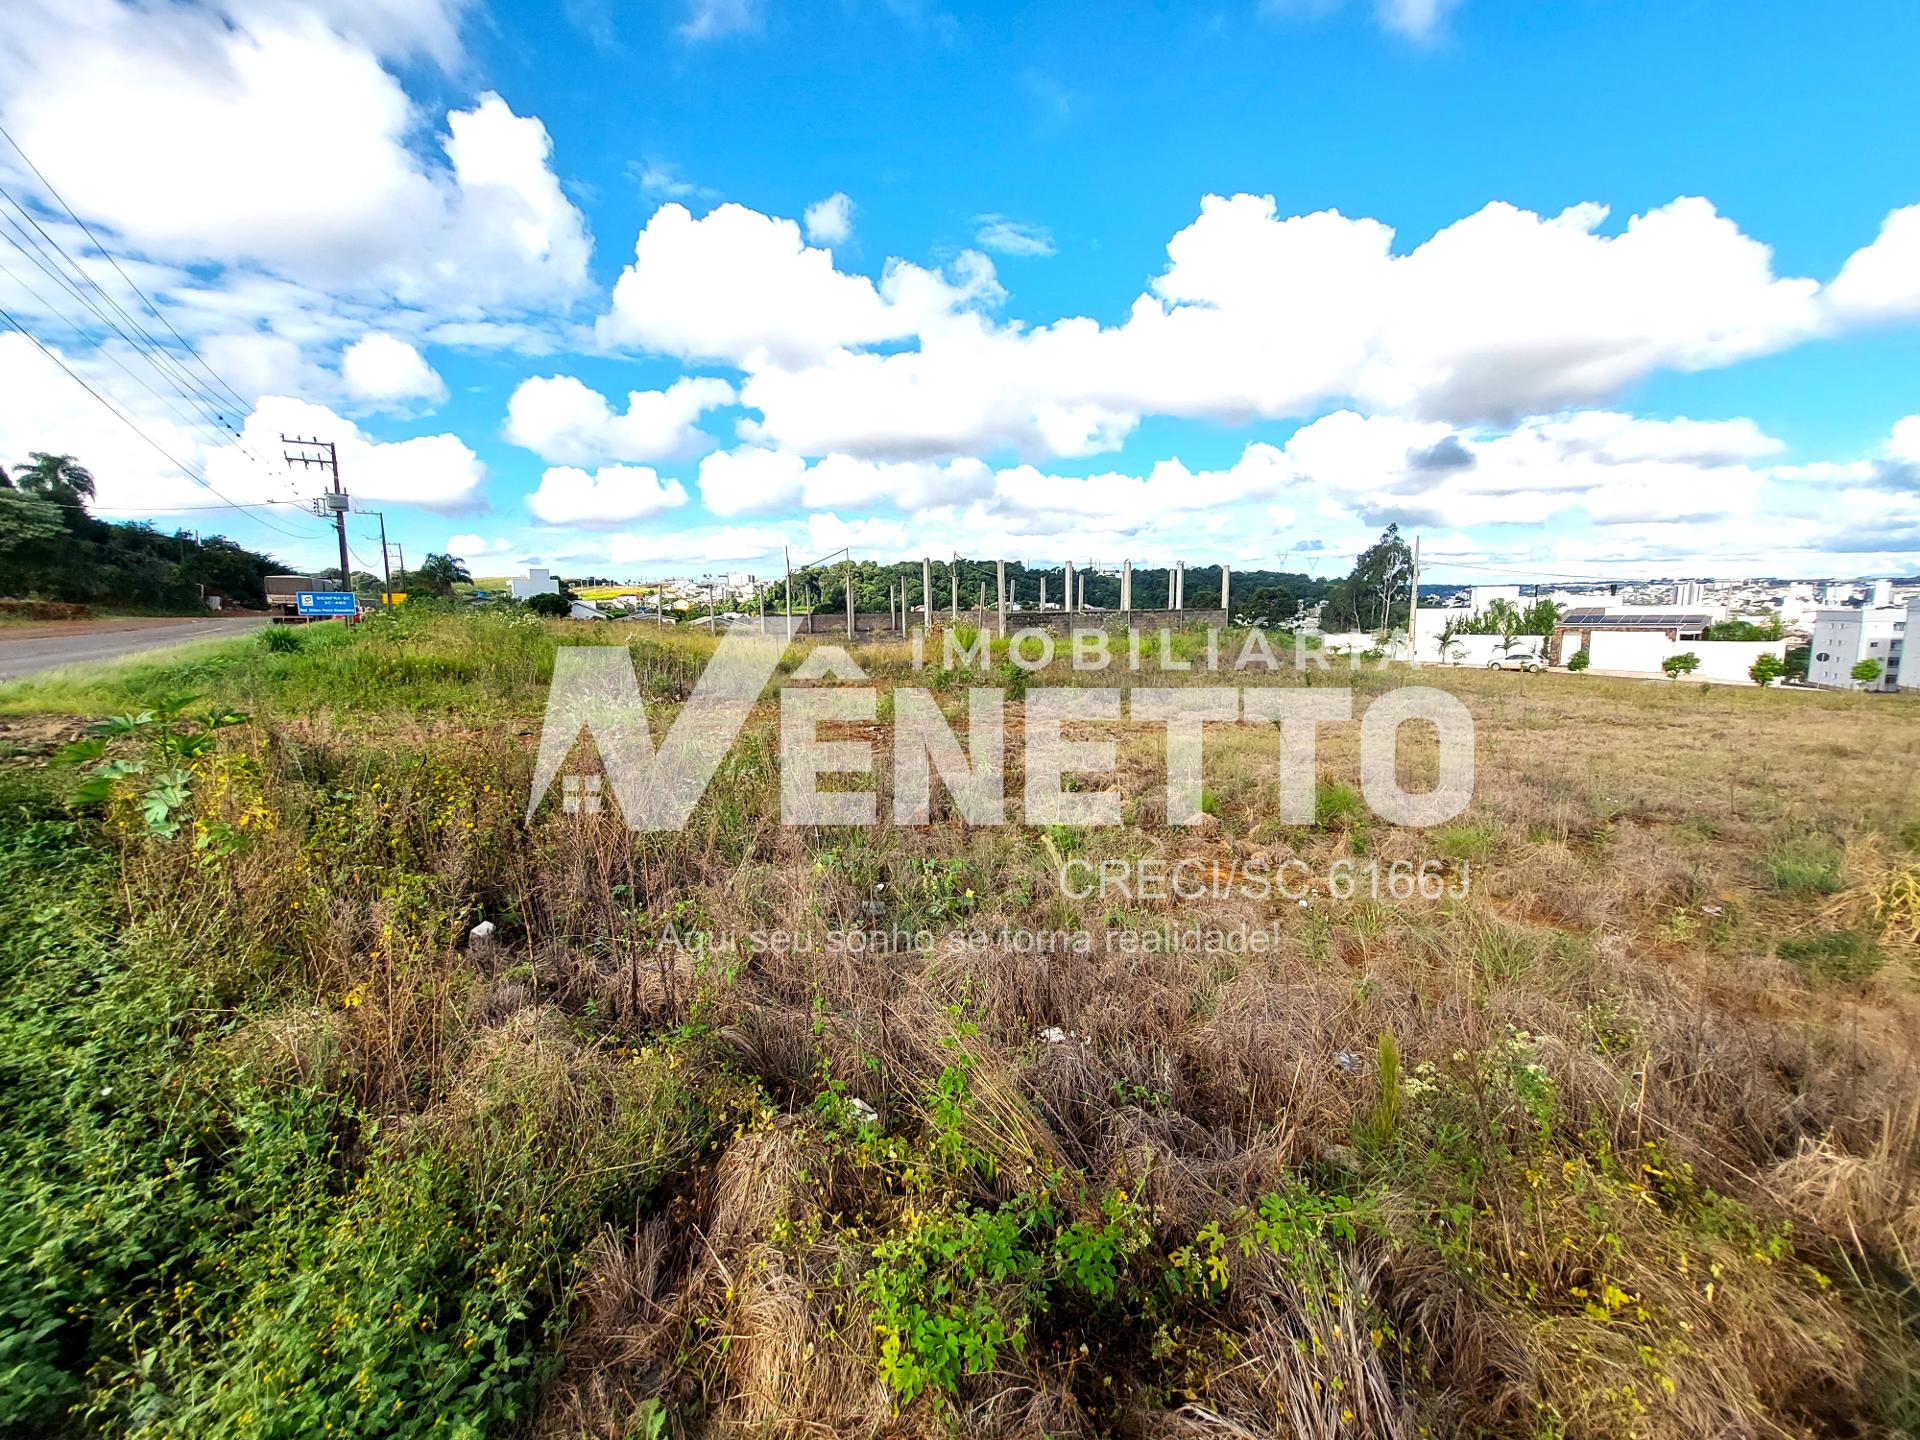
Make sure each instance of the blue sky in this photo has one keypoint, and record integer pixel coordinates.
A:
(951, 351)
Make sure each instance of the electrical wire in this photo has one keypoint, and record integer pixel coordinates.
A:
(207, 400)
(132, 425)
(45, 249)
(192, 421)
(152, 309)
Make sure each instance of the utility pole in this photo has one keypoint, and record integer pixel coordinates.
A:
(337, 502)
(386, 567)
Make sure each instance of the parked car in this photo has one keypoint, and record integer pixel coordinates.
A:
(1522, 661)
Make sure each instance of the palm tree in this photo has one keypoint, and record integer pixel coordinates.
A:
(440, 573)
(59, 478)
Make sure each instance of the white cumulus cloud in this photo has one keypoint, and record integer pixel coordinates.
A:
(193, 133)
(562, 420)
(740, 286)
(384, 370)
(611, 495)
(830, 221)
(1881, 281)
(1503, 314)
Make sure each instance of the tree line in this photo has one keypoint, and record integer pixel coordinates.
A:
(52, 548)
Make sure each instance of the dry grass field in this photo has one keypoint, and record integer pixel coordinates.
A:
(1616, 1134)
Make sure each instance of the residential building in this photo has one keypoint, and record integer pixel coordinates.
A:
(1843, 638)
(536, 582)
(1577, 627)
(1907, 673)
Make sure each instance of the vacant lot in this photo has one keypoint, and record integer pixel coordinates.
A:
(1616, 1134)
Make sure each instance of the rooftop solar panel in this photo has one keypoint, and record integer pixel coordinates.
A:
(1651, 620)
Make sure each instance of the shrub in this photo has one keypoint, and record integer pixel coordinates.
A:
(1684, 663)
(1579, 660)
(282, 639)
(549, 604)
(1767, 669)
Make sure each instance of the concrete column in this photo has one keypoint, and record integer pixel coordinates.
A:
(926, 591)
(1226, 592)
(1066, 601)
(1043, 592)
(953, 583)
(1000, 594)
(1126, 585)
(1179, 583)
(1081, 600)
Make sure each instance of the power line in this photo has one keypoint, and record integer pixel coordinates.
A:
(96, 508)
(127, 370)
(124, 419)
(151, 307)
(207, 401)
(146, 346)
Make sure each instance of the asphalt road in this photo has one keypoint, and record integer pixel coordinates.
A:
(47, 645)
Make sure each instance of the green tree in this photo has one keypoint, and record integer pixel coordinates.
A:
(1270, 605)
(1766, 669)
(550, 604)
(60, 478)
(1684, 663)
(1766, 628)
(1866, 671)
(439, 574)
(1377, 594)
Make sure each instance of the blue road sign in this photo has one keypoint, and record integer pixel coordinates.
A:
(326, 602)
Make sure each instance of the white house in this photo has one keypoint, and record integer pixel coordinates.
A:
(536, 582)
(1843, 638)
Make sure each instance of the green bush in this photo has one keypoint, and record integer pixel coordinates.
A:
(1579, 660)
(1684, 663)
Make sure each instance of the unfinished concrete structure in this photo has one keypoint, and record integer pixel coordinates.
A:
(1070, 613)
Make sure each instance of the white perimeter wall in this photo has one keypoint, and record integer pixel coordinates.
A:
(1642, 654)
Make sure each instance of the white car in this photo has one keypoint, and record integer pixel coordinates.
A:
(1522, 661)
